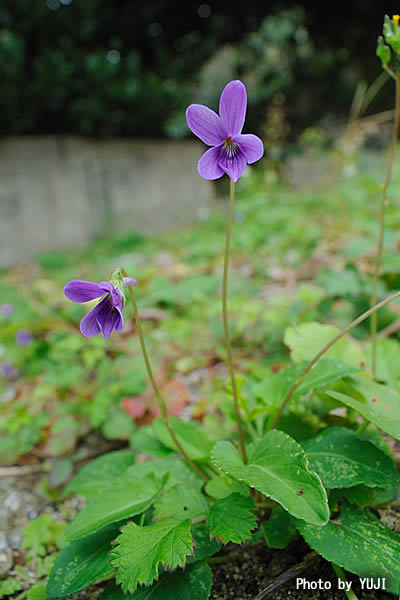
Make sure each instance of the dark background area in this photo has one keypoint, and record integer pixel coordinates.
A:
(126, 68)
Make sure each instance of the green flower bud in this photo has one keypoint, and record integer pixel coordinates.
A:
(391, 32)
(383, 52)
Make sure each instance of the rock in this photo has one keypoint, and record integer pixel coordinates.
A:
(6, 562)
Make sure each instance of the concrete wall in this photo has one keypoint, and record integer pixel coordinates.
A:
(60, 192)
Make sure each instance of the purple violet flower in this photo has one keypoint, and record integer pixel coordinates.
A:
(231, 150)
(107, 314)
(7, 309)
(8, 370)
(23, 337)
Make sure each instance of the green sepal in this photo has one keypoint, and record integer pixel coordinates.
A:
(383, 52)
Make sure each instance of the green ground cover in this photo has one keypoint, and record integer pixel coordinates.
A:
(298, 255)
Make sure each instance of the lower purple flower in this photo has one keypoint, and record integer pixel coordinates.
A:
(6, 309)
(23, 337)
(8, 370)
(107, 314)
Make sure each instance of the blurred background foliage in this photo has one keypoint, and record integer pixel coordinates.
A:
(123, 68)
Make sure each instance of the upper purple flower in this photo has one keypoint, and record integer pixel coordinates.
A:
(107, 314)
(232, 150)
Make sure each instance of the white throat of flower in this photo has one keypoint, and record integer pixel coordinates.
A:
(231, 148)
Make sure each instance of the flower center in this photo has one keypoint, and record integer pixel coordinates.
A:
(395, 19)
(231, 148)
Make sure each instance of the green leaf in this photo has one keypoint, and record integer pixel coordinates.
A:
(221, 486)
(306, 339)
(177, 470)
(192, 583)
(122, 500)
(140, 551)
(39, 535)
(378, 403)
(364, 496)
(280, 529)
(360, 543)
(37, 592)
(99, 473)
(119, 426)
(273, 390)
(143, 439)
(82, 563)
(277, 467)
(9, 586)
(203, 545)
(191, 436)
(231, 520)
(180, 502)
(342, 460)
(387, 361)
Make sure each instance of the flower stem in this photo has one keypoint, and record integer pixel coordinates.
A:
(225, 319)
(161, 402)
(382, 223)
(340, 573)
(333, 341)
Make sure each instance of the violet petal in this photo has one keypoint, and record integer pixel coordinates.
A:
(83, 291)
(116, 298)
(108, 317)
(206, 124)
(208, 166)
(129, 281)
(251, 146)
(232, 107)
(89, 325)
(232, 165)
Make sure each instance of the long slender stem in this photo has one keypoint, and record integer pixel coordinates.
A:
(382, 222)
(333, 341)
(161, 402)
(225, 319)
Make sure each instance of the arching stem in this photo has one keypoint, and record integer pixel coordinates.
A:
(161, 402)
(333, 341)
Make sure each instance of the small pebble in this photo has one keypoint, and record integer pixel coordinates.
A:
(6, 562)
(13, 502)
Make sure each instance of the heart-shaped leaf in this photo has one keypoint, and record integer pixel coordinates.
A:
(306, 339)
(378, 403)
(82, 562)
(191, 436)
(357, 541)
(277, 467)
(122, 500)
(341, 459)
(99, 473)
(180, 502)
(273, 390)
